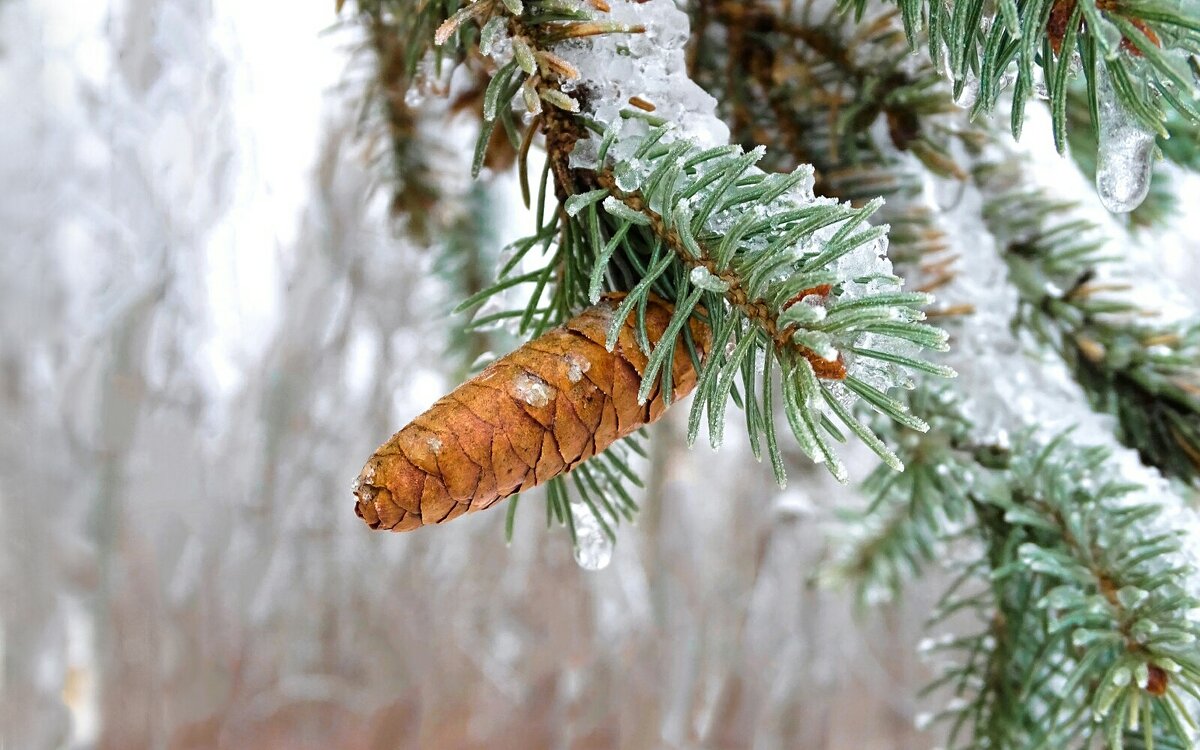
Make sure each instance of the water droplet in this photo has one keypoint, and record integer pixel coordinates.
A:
(1125, 154)
(628, 175)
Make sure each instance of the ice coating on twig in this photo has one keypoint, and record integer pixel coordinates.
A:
(706, 280)
(1125, 154)
(576, 366)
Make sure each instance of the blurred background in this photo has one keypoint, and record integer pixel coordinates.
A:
(207, 323)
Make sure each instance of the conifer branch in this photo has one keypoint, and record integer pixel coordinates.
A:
(1146, 375)
(1087, 631)
(774, 277)
(1081, 597)
(1147, 381)
(911, 519)
(1148, 48)
(1007, 678)
(811, 89)
(656, 235)
(397, 38)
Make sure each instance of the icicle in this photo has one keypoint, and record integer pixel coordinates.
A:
(593, 548)
(1125, 154)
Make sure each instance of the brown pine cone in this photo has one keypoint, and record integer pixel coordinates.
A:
(531, 415)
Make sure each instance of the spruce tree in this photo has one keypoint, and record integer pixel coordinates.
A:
(743, 206)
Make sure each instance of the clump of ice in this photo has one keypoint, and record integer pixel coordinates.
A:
(651, 65)
(533, 390)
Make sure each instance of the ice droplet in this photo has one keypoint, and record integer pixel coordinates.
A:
(585, 154)
(706, 280)
(1125, 154)
(532, 390)
(580, 201)
(494, 31)
(576, 366)
(593, 548)
(628, 175)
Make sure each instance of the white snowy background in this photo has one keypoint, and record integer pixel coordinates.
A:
(206, 325)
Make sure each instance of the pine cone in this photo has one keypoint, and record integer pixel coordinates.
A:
(531, 415)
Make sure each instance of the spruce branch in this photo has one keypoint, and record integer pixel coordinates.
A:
(397, 47)
(1146, 375)
(958, 494)
(1146, 380)
(1079, 591)
(653, 204)
(1147, 48)
(813, 86)
(1087, 630)
(727, 235)
(912, 518)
